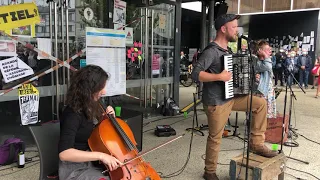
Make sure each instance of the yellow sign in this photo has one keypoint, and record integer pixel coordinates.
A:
(27, 89)
(14, 16)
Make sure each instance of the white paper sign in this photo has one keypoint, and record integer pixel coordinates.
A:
(7, 48)
(129, 36)
(107, 48)
(312, 41)
(306, 47)
(14, 68)
(44, 44)
(304, 39)
(119, 14)
(118, 27)
(29, 104)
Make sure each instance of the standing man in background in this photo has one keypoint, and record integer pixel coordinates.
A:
(305, 65)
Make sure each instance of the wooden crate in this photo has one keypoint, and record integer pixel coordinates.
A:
(274, 129)
(260, 168)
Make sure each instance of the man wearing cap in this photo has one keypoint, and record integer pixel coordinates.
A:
(210, 70)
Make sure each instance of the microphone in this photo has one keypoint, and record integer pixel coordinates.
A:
(244, 37)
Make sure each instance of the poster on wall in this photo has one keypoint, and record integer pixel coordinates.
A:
(7, 48)
(24, 31)
(119, 13)
(44, 44)
(29, 104)
(129, 36)
(100, 42)
(156, 64)
(14, 68)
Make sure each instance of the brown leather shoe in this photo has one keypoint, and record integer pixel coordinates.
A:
(263, 150)
(210, 176)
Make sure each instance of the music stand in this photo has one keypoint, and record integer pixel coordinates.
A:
(235, 131)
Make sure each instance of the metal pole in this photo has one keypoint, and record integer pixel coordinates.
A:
(67, 37)
(211, 30)
(203, 26)
(61, 3)
(140, 63)
(146, 58)
(51, 32)
(56, 54)
(152, 52)
(203, 42)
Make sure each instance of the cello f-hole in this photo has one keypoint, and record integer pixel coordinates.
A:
(129, 178)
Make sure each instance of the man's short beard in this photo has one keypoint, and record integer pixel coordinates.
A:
(231, 39)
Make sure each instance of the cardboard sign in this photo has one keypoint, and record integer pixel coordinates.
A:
(29, 104)
(14, 16)
(14, 68)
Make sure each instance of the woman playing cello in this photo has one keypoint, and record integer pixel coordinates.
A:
(79, 117)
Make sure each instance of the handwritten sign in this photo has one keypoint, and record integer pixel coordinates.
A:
(14, 68)
(29, 104)
(14, 16)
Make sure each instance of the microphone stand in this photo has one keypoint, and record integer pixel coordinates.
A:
(250, 111)
(287, 74)
(195, 117)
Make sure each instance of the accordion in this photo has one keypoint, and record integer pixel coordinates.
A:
(239, 66)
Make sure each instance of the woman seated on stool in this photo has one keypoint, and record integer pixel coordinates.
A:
(77, 122)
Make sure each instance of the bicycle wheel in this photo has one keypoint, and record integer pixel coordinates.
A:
(186, 83)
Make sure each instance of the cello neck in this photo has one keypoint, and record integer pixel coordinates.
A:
(121, 132)
(118, 128)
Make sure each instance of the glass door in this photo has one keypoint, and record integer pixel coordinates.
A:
(149, 79)
(161, 52)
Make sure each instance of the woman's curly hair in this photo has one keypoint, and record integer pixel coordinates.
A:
(85, 84)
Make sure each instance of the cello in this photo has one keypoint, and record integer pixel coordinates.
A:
(113, 136)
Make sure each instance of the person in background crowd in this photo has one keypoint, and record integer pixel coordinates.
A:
(316, 63)
(280, 58)
(183, 60)
(274, 60)
(24, 56)
(195, 56)
(304, 64)
(264, 69)
(32, 62)
(291, 66)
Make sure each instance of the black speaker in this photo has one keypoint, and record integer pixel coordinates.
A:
(135, 121)
(219, 9)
